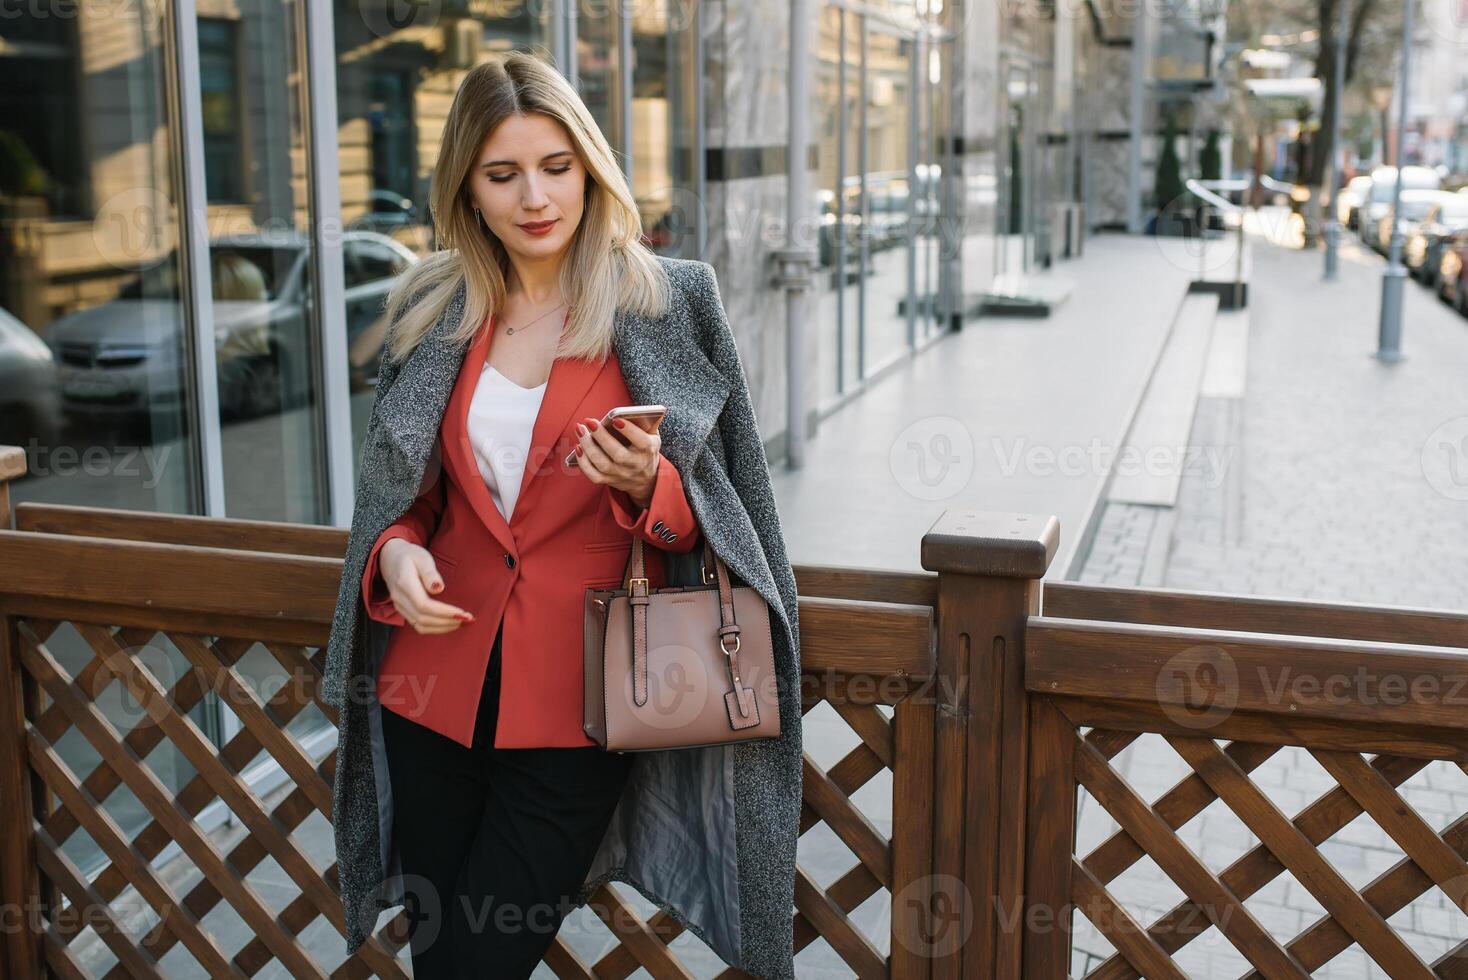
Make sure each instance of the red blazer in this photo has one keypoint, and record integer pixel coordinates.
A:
(565, 534)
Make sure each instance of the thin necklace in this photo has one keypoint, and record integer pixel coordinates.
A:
(511, 330)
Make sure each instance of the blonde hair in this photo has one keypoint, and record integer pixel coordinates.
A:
(607, 267)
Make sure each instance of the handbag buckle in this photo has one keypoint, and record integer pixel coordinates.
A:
(632, 583)
(707, 576)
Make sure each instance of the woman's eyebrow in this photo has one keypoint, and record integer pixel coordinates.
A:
(516, 163)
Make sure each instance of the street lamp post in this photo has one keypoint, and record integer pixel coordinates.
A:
(1393, 279)
(1337, 150)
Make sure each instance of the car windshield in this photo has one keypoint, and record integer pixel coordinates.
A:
(1454, 212)
(1416, 210)
(246, 273)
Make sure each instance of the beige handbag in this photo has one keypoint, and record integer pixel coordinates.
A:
(678, 667)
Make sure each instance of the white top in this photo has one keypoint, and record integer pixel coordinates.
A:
(501, 419)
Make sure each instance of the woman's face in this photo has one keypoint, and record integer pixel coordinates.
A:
(529, 184)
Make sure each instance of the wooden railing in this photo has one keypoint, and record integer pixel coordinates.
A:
(991, 721)
(115, 588)
(1323, 684)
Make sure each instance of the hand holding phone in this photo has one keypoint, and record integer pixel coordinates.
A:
(645, 417)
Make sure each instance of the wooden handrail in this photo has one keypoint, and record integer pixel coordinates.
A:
(1257, 614)
(275, 537)
(1298, 677)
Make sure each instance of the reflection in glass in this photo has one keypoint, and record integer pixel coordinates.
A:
(664, 118)
(92, 378)
(259, 260)
(398, 67)
(886, 229)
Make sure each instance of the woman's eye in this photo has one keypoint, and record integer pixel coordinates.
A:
(510, 176)
(500, 179)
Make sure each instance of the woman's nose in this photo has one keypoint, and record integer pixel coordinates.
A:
(535, 197)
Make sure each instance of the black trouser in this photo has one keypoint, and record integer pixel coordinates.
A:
(495, 843)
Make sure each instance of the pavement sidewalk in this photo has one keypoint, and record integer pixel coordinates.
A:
(1009, 414)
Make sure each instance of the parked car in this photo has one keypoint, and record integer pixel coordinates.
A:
(1423, 249)
(387, 212)
(1452, 273)
(123, 357)
(1412, 208)
(1378, 201)
(1348, 202)
(28, 401)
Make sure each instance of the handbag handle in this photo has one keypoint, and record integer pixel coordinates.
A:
(635, 581)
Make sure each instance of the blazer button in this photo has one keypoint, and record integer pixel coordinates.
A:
(509, 560)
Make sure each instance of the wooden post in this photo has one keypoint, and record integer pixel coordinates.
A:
(12, 465)
(989, 567)
(20, 887)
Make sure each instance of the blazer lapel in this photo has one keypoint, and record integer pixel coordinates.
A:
(458, 449)
(570, 381)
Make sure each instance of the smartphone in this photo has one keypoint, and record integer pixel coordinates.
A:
(646, 417)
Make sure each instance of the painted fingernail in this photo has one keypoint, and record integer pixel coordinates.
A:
(438, 586)
(581, 429)
(619, 423)
(580, 451)
(594, 423)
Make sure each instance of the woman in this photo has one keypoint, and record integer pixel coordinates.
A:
(465, 787)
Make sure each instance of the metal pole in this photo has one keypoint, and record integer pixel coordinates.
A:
(1337, 148)
(328, 285)
(195, 269)
(795, 257)
(1393, 279)
(1137, 109)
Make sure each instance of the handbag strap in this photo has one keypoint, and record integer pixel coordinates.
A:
(639, 596)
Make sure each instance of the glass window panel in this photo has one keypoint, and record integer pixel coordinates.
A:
(889, 139)
(251, 91)
(664, 117)
(398, 67)
(92, 347)
(597, 64)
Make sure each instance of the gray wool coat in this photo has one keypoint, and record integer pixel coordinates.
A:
(722, 862)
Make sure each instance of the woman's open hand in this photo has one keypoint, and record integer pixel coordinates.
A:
(410, 574)
(630, 466)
